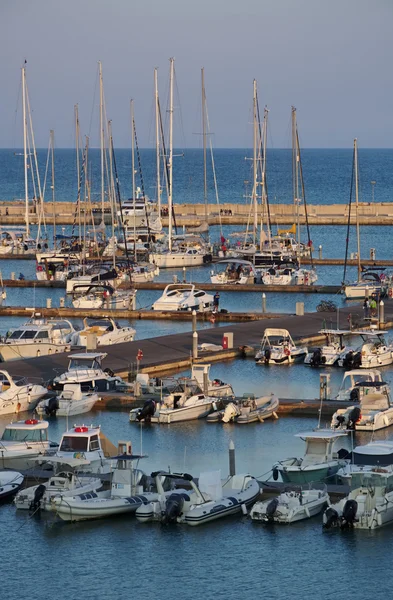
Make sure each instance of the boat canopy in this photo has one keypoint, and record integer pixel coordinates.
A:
(270, 332)
(323, 434)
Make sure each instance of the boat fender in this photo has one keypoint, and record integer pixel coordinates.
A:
(244, 509)
(38, 495)
(275, 473)
(287, 351)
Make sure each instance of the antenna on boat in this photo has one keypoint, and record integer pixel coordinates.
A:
(141, 453)
(184, 459)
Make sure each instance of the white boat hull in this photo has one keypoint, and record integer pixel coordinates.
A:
(291, 507)
(177, 415)
(31, 350)
(177, 259)
(98, 505)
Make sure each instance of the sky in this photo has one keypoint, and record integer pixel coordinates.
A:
(329, 58)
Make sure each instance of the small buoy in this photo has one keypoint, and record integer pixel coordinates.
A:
(244, 509)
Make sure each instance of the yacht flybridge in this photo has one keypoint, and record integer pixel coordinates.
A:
(106, 330)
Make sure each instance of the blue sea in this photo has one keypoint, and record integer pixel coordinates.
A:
(233, 558)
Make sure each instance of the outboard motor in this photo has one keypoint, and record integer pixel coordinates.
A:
(52, 407)
(316, 359)
(271, 509)
(275, 473)
(173, 508)
(38, 495)
(349, 513)
(109, 372)
(354, 395)
(357, 360)
(268, 354)
(353, 417)
(348, 360)
(340, 421)
(231, 411)
(330, 518)
(147, 411)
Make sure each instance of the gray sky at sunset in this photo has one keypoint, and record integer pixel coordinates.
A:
(332, 59)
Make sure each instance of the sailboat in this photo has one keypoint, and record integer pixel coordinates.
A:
(369, 281)
(180, 251)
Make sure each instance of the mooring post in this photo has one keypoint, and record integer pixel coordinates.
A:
(381, 312)
(195, 345)
(263, 302)
(320, 251)
(193, 320)
(232, 464)
(205, 383)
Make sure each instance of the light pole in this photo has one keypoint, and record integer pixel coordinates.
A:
(372, 190)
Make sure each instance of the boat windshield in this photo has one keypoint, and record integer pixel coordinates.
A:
(84, 363)
(15, 335)
(372, 479)
(71, 443)
(24, 435)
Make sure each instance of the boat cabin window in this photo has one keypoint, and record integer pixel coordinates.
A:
(94, 443)
(71, 443)
(42, 335)
(199, 294)
(28, 334)
(25, 435)
(84, 363)
(372, 480)
(15, 335)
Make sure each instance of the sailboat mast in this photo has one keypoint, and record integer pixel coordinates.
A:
(170, 153)
(157, 140)
(78, 173)
(295, 171)
(255, 169)
(52, 145)
(355, 149)
(25, 150)
(133, 170)
(102, 139)
(204, 142)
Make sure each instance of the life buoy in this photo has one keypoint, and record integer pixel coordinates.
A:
(31, 422)
(81, 429)
(287, 351)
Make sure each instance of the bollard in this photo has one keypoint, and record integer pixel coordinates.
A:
(366, 292)
(299, 309)
(49, 303)
(194, 320)
(381, 312)
(133, 302)
(320, 251)
(13, 276)
(184, 275)
(62, 301)
(263, 302)
(175, 279)
(232, 464)
(195, 345)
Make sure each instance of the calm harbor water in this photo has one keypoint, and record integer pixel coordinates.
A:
(234, 558)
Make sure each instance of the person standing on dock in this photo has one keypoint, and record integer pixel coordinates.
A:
(216, 301)
(366, 308)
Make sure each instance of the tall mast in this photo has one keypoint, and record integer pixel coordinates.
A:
(52, 145)
(204, 142)
(255, 169)
(157, 106)
(295, 171)
(102, 139)
(25, 149)
(355, 149)
(133, 170)
(171, 60)
(78, 174)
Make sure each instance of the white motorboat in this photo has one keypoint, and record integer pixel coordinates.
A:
(234, 270)
(71, 401)
(85, 368)
(208, 501)
(89, 445)
(291, 506)
(102, 296)
(105, 330)
(369, 504)
(374, 412)
(278, 347)
(22, 442)
(332, 352)
(62, 484)
(279, 276)
(10, 484)
(182, 255)
(184, 296)
(17, 394)
(377, 454)
(306, 276)
(187, 402)
(350, 390)
(325, 454)
(96, 274)
(127, 493)
(37, 337)
(248, 410)
(212, 387)
(375, 352)
(56, 265)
